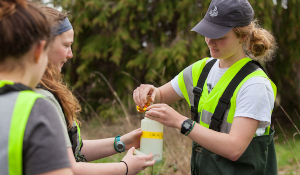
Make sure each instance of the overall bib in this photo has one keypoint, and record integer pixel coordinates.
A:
(216, 110)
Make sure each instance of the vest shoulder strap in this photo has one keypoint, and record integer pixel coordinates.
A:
(224, 101)
(197, 91)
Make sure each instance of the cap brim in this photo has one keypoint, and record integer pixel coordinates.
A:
(210, 30)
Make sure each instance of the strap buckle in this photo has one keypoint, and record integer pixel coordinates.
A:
(197, 91)
(215, 124)
(227, 103)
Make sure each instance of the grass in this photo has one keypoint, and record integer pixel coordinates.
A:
(177, 148)
(286, 161)
(176, 152)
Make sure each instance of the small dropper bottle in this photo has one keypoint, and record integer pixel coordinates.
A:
(148, 103)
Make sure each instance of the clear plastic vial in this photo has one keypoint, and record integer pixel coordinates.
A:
(152, 138)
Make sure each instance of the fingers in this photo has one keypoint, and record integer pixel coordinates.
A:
(155, 112)
(131, 150)
(158, 106)
(149, 163)
(140, 94)
(156, 118)
(137, 131)
(136, 96)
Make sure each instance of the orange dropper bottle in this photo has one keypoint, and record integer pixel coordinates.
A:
(148, 103)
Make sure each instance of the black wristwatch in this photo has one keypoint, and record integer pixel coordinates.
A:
(119, 145)
(186, 126)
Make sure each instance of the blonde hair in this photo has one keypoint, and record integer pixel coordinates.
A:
(260, 44)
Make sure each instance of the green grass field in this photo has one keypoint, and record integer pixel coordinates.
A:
(176, 154)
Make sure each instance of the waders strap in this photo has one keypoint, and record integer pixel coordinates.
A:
(199, 88)
(224, 101)
(194, 109)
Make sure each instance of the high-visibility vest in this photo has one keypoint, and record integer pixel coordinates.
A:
(15, 108)
(209, 101)
(259, 157)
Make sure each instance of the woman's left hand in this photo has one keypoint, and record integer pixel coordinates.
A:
(132, 139)
(165, 115)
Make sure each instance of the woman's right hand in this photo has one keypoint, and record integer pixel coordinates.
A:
(140, 94)
(137, 163)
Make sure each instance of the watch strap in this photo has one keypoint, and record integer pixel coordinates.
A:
(117, 139)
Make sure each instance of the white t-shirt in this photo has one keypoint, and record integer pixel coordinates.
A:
(255, 98)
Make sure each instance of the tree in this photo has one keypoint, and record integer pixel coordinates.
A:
(132, 42)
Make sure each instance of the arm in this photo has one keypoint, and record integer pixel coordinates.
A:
(230, 146)
(97, 149)
(135, 165)
(64, 171)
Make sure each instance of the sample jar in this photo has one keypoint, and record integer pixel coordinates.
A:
(152, 138)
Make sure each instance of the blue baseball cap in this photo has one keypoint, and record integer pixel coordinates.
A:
(224, 15)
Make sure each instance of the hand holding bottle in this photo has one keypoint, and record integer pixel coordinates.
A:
(137, 163)
(132, 139)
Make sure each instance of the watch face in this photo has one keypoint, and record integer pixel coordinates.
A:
(120, 146)
(186, 125)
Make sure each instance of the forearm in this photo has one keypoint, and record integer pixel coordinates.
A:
(222, 144)
(99, 168)
(97, 149)
(166, 94)
(230, 146)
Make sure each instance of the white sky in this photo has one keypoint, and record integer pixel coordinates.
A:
(51, 5)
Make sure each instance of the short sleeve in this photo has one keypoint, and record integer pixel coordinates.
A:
(49, 96)
(44, 147)
(255, 100)
(175, 85)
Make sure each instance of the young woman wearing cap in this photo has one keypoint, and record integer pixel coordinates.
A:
(31, 142)
(233, 135)
(80, 151)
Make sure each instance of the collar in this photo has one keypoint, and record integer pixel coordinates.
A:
(9, 86)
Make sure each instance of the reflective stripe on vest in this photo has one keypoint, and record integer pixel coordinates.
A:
(79, 140)
(14, 117)
(208, 102)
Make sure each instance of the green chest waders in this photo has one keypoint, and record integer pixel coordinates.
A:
(258, 159)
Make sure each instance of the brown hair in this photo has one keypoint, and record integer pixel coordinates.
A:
(54, 16)
(53, 79)
(260, 43)
(22, 24)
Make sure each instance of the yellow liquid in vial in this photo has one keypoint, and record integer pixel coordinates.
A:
(143, 109)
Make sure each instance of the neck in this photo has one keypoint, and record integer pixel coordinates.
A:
(17, 76)
(227, 62)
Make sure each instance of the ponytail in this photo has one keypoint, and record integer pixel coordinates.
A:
(260, 44)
